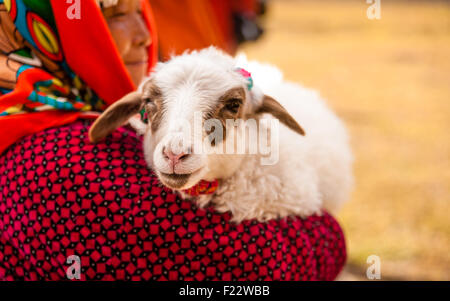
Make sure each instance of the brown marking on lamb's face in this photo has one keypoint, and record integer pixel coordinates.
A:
(230, 106)
(153, 99)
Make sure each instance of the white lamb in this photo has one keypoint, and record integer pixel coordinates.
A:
(313, 171)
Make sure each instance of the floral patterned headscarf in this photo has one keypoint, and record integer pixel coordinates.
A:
(55, 67)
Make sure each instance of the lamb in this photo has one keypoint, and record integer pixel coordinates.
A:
(314, 167)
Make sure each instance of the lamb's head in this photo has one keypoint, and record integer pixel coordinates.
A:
(184, 101)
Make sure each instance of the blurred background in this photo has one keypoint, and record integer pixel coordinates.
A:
(389, 79)
(384, 67)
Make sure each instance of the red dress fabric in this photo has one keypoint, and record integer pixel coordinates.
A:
(62, 196)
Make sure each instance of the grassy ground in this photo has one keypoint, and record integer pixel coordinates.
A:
(389, 79)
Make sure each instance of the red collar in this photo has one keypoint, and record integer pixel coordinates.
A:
(202, 187)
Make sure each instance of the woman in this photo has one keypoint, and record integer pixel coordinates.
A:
(62, 196)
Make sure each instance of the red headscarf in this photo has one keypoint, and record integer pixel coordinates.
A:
(54, 68)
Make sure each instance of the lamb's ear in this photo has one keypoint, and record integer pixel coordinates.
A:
(115, 115)
(271, 106)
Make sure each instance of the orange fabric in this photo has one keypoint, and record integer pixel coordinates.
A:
(248, 7)
(223, 14)
(195, 24)
(188, 24)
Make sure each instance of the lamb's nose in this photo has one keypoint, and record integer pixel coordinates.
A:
(174, 158)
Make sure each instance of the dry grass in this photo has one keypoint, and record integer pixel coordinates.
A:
(389, 79)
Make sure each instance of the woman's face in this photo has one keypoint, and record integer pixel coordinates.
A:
(130, 33)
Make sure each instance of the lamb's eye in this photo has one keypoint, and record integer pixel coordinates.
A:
(147, 100)
(233, 105)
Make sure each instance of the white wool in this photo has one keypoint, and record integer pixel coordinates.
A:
(314, 172)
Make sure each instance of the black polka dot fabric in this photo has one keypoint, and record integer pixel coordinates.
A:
(62, 196)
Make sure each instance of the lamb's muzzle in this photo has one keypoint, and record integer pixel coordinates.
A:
(313, 171)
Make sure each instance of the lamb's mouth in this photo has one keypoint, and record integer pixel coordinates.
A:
(176, 181)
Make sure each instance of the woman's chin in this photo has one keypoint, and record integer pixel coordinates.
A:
(137, 71)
